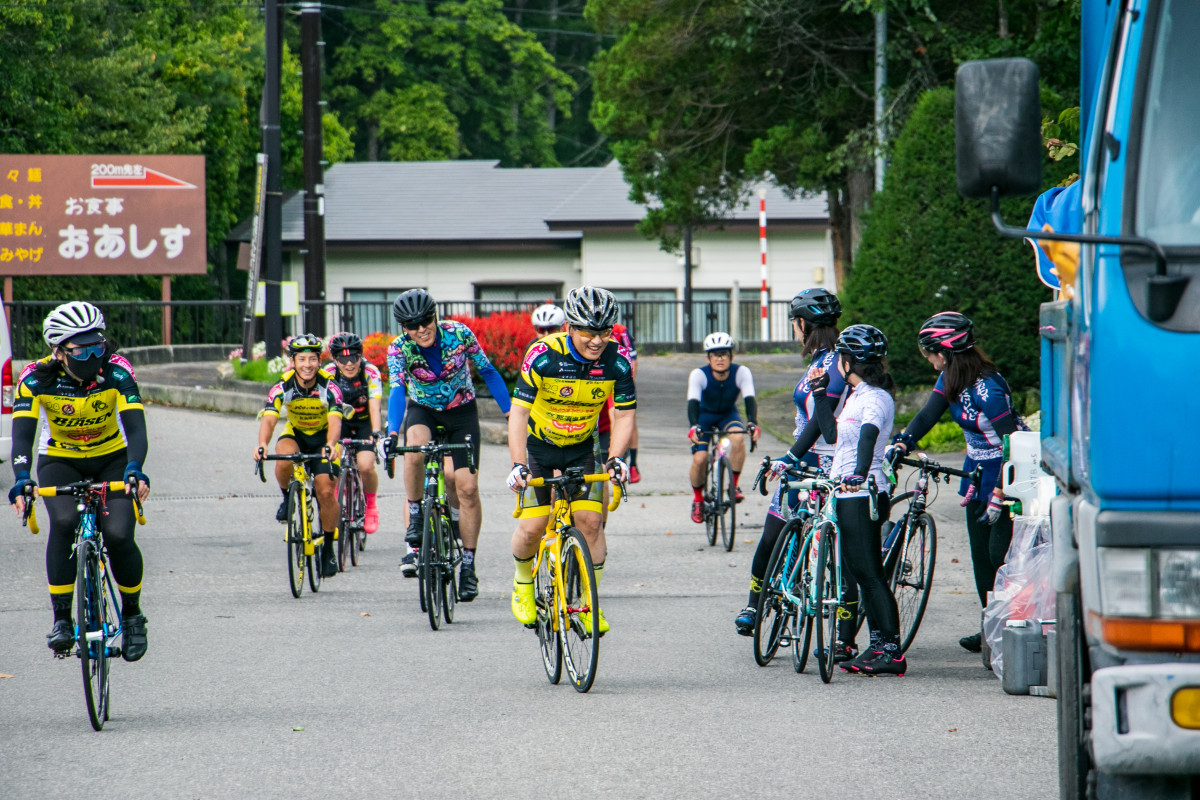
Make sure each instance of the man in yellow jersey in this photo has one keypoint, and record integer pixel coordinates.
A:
(314, 407)
(87, 399)
(566, 379)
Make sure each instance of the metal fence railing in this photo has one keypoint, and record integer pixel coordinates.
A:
(654, 324)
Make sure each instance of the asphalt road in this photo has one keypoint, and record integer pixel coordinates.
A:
(248, 693)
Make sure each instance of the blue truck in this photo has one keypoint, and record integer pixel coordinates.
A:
(1120, 384)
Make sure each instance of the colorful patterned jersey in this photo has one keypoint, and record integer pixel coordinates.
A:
(79, 421)
(308, 410)
(452, 385)
(358, 391)
(565, 394)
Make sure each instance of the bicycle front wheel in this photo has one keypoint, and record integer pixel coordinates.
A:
(357, 540)
(710, 503)
(727, 504)
(449, 557)
(295, 541)
(913, 575)
(428, 564)
(580, 631)
(345, 543)
(92, 630)
(547, 618)
(802, 577)
(828, 593)
(314, 561)
(774, 610)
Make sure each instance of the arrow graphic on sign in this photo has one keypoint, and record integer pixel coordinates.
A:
(144, 178)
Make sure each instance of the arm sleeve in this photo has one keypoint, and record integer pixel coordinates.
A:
(866, 449)
(24, 429)
(696, 384)
(804, 442)
(133, 420)
(395, 408)
(928, 416)
(497, 386)
(693, 412)
(751, 409)
(1006, 424)
(823, 412)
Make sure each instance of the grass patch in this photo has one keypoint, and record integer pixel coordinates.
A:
(256, 370)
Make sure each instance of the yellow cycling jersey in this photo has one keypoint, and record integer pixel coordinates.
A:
(79, 421)
(565, 394)
(308, 410)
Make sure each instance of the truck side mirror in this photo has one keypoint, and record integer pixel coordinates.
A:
(998, 128)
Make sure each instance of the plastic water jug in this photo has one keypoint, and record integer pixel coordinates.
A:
(1022, 477)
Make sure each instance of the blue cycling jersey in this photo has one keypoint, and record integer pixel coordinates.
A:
(822, 361)
(976, 409)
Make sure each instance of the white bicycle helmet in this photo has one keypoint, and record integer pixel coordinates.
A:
(718, 340)
(548, 316)
(591, 307)
(69, 320)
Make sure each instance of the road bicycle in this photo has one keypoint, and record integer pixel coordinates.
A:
(353, 503)
(303, 554)
(720, 494)
(910, 544)
(97, 618)
(564, 583)
(441, 550)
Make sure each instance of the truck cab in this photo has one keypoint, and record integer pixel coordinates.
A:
(1120, 385)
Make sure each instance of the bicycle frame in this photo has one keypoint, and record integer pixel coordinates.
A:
(822, 513)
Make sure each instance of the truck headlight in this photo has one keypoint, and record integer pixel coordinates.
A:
(1178, 583)
(1125, 581)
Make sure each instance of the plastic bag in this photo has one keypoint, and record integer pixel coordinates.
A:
(1024, 584)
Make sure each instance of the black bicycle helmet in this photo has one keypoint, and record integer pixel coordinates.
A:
(862, 343)
(948, 330)
(816, 307)
(345, 344)
(413, 306)
(306, 343)
(591, 307)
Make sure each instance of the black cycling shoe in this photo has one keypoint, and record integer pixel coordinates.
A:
(133, 637)
(413, 534)
(745, 621)
(844, 652)
(61, 636)
(882, 662)
(972, 643)
(854, 664)
(329, 566)
(468, 584)
(281, 515)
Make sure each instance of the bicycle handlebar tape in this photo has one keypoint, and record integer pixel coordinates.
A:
(33, 523)
(617, 496)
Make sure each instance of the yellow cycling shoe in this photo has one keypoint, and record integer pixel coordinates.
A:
(585, 618)
(523, 606)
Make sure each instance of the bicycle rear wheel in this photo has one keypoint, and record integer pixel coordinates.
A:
(428, 566)
(358, 538)
(802, 582)
(710, 501)
(913, 575)
(92, 630)
(580, 631)
(828, 592)
(726, 504)
(547, 619)
(345, 543)
(295, 541)
(313, 561)
(773, 612)
(449, 557)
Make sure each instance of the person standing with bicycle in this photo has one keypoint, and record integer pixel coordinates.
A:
(313, 403)
(814, 314)
(95, 429)
(430, 386)
(979, 400)
(713, 392)
(362, 393)
(861, 496)
(565, 381)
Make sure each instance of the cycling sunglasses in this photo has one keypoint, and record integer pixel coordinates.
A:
(86, 351)
(421, 323)
(348, 359)
(594, 333)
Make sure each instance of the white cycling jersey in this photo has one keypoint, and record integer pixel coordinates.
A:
(867, 405)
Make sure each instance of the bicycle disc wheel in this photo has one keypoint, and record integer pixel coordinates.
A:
(547, 626)
(295, 543)
(913, 576)
(428, 566)
(581, 628)
(773, 611)
(801, 583)
(449, 557)
(92, 633)
(726, 505)
(826, 616)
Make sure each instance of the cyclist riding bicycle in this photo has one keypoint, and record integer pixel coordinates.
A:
(430, 386)
(814, 314)
(313, 403)
(362, 394)
(712, 403)
(979, 400)
(566, 378)
(87, 399)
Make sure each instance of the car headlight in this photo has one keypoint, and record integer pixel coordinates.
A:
(1178, 583)
(1125, 581)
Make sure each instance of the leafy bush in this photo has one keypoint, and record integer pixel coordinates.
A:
(945, 437)
(926, 249)
(375, 348)
(260, 369)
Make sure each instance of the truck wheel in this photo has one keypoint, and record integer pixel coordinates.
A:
(1074, 696)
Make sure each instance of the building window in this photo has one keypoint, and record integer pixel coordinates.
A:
(710, 312)
(536, 293)
(652, 315)
(365, 311)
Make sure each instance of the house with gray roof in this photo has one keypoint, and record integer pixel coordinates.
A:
(471, 230)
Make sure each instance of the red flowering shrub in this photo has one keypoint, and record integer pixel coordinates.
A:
(375, 347)
(503, 337)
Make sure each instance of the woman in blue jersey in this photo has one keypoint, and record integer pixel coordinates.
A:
(814, 313)
(979, 400)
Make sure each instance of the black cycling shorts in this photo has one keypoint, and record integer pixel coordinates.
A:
(358, 429)
(459, 423)
(311, 445)
(544, 459)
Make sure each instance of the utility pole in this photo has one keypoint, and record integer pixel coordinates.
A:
(687, 289)
(273, 206)
(311, 48)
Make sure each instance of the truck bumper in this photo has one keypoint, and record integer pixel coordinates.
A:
(1132, 729)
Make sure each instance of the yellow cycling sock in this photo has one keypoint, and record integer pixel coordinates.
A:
(599, 570)
(524, 570)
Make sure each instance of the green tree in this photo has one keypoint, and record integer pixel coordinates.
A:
(437, 80)
(926, 249)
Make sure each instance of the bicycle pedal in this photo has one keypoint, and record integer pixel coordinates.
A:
(532, 626)
(785, 641)
(58, 654)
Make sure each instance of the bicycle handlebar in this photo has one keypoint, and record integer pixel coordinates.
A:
(79, 488)
(566, 480)
(431, 448)
(293, 457)
(929, 465)
(799, 472)
(719, 432)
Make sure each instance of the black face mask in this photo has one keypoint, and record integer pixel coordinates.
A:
(84, 371)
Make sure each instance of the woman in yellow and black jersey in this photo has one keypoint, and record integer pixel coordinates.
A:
(85, 401)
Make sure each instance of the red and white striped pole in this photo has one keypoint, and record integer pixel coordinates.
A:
(764, 292)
